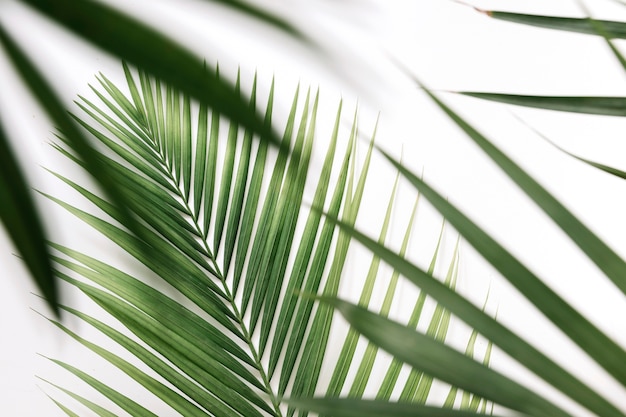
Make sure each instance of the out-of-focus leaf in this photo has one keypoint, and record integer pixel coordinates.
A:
(443, 362)
(55, 109)
(608, 169)
(20, 218)
(348, 407)
(149, 49)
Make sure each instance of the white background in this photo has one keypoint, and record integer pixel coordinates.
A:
(448, 46)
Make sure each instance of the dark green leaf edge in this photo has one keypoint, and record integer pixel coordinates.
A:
(501, 336)
(599, 346)
(439, 360)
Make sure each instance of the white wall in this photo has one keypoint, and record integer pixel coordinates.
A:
(450, 47)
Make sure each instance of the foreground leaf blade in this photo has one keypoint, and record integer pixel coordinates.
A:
(223, 200)
(501, 336)
(267, 17)
(605, 351)
(285, 219)
(172, 398)
(311, 285)
(149, 49)
(347, 407)
(123, 401)
(100, 411)
(20, 218)
(262, 237)
(241, 179)
(443, 362)
(213, 396)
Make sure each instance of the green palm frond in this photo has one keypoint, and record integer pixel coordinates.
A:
(221, 220)
(613, 29)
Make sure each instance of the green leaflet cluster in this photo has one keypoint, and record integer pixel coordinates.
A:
(216, 219)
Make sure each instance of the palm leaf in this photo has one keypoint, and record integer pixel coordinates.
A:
(435, 358)
(607, 106)
(17, 213)
(604, 257)
(613, 29)
(184, 252)
(244, 336)
(510, 268)
(347, 407)
(414, 347)
(392, 374)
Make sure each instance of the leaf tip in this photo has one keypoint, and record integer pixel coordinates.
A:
(479, 10)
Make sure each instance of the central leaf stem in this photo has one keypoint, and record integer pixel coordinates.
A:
(231, 299)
